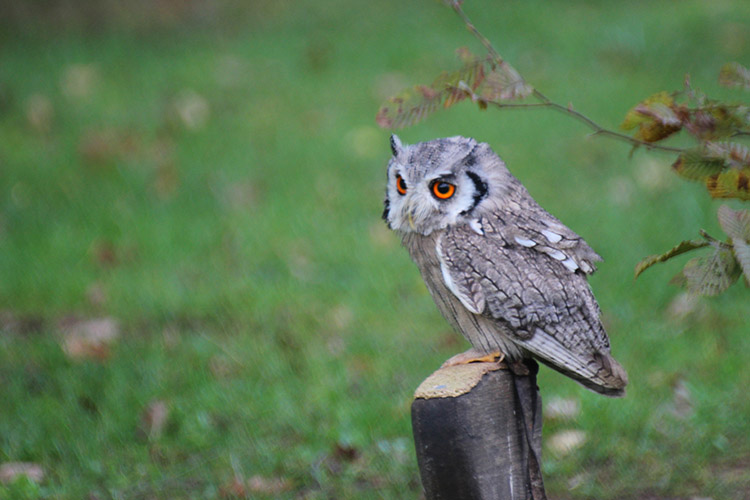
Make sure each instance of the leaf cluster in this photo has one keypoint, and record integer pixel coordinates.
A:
(713, 273)
(482, 79)
(718, 160)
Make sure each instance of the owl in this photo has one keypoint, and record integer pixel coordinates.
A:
(504, 272)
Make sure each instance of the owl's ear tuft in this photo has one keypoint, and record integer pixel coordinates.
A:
(396, 145)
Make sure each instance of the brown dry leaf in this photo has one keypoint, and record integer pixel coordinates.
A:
(154, 419)
(564, 442)
(11, 471)
(558, 408)
(345, 452)
(269, 485)
(101, 148)
(104, 254)
(235, 489)
(88, 338)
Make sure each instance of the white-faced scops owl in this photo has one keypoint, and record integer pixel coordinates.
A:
(503, 271)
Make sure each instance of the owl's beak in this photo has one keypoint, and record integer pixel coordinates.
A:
(408, 209)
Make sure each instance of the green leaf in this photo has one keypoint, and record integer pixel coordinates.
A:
(694, 165)
(656, 117)
(736, 223)
(731, 183)
(710, 275)
(682, 247)
(636, 115)
(735, 75)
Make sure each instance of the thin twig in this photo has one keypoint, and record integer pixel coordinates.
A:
(547, 102)
(474, 31)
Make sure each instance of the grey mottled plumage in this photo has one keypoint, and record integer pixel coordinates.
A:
(504, 272)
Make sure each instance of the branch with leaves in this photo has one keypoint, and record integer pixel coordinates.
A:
(718, 159)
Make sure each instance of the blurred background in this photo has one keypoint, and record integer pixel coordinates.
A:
(198, 298)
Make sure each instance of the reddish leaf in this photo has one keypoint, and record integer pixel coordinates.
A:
(154, 419)
(714, 121)
(269, 485)
(11, 471)
(89, 338)
(479, 78)
(731, 153)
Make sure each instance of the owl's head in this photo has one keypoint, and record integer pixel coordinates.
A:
(434, 184)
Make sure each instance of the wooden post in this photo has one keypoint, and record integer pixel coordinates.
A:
(478, 432)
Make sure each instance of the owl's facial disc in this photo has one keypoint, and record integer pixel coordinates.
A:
(423, 205)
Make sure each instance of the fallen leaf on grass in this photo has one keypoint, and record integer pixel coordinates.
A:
(154, 419)
(564, 442)
(101, 148)
(269, 485)
(256, 485)
(88, 338)
(10, 471)
(562, 409)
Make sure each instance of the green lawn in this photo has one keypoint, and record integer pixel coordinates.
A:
(213, 191)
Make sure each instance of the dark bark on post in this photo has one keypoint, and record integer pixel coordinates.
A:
(478, 433)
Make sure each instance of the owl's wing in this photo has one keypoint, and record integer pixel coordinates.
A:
(533, 227)
(534, 298)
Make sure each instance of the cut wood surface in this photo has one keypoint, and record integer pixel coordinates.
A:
(478, 430)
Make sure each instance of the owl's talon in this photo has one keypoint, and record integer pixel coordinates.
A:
(474, 356)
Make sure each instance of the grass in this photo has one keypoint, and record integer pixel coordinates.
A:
(216, 191)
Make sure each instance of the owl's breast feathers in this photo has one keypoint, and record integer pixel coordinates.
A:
(529, 279)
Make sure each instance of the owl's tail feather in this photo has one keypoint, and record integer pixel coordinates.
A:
(604, 375)
(610, 380)
(597, 370)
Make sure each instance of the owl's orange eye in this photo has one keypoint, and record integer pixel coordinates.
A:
(400, 185)
(443, 190)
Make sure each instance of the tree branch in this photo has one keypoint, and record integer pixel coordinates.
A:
(546, 101)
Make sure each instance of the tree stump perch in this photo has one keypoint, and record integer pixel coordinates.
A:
(478, 432)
